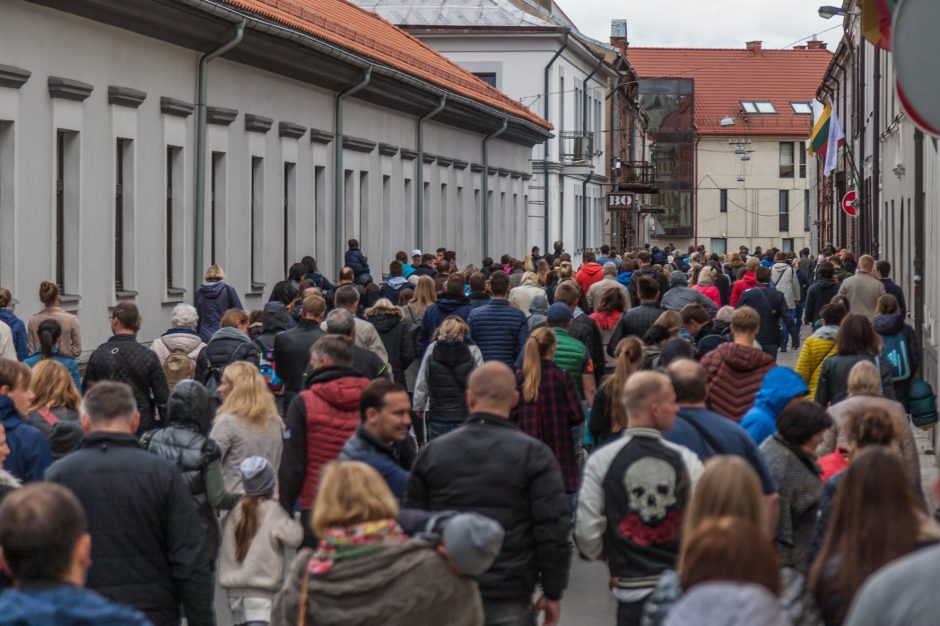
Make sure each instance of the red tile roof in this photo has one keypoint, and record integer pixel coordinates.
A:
(361, 32)
(725, 77)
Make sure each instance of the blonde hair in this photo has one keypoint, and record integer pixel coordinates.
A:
(425, 295)
(383, 305)
(214, 274)
(350, 493)
(670, 320)
(453, 328)
(629, 359)
(565, 272)
(707, 276)
(864, 380)
(249, 398)
(527, 264)
(233, 318)
(539, 346)
(728, 487)
(53, 387)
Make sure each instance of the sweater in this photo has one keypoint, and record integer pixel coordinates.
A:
(238, 440)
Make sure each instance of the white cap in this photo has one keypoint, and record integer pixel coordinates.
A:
(416, 252)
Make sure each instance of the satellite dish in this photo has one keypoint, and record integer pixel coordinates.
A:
(916, 48)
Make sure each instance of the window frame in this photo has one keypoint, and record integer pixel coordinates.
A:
(801, 103)
(784, 173)
(783, 210)
(722, 200)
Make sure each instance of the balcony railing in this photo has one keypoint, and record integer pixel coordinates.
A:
(576, 147)
(639, 176)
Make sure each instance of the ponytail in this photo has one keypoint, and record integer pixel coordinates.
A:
(629, 358)
(49, 331)
(247, 526)
(539, 346)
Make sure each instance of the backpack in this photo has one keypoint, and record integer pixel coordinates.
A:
(268, 371)
(923, 404)
(895, 353)
(178, 366)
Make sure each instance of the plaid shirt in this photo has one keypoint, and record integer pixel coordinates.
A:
(550, 418)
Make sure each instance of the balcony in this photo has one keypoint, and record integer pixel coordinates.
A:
(636, 176)
(576, 147)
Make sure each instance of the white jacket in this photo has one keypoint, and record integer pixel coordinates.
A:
(783, 278)
(165, 345)
(7, 348)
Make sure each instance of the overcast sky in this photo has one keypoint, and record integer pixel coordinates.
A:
(705, 23)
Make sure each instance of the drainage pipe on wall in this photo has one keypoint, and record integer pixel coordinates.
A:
(338, 195)
(545, 148)
(486, 183)
(419, 172)
(584, 120)
(199, 212)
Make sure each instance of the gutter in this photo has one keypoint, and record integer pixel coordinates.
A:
(584, 119)
(338, 170)
(546, 146)
(486, 183)
(199, 204)
(419, 172)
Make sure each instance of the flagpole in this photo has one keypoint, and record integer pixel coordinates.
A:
(848, 154)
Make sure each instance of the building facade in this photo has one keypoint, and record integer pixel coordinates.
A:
(311, 137)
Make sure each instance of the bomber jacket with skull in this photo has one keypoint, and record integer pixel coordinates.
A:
(633, 497)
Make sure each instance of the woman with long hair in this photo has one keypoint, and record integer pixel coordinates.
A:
(877, 518)
(70, 341)
(820, 345)
(608, 415)
(55, 396)
(609, 310)
(856, 341)
(549, 404)
(900, 347)
(247, 424)
(706, 284)
(50, 334)
(366, 570)
(425, 294)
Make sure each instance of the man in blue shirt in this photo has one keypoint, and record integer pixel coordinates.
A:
(705, 432)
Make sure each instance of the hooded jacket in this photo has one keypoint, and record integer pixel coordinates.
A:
(274, 319)
(226, 346)
(500, 330)
(735, 373)
(680, 294)
(284, 291)
(397, 336)
(442, 380)
(445, 306)
(889, 325)
(784, 280)
(834, 377)
(624, 278)
(18, 328)
(780, 385)
(522, 296)
(816, 349)
(64, 604)
(588, 274)
(537, 311)
(819, 295)
(727, 604)
(356, 260)
(29, 451)
(747, 281)
(393, 288)
(478, 300)
(212, 301)
(292, 355)
(771, 305)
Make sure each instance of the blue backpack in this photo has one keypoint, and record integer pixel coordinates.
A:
(895, 354)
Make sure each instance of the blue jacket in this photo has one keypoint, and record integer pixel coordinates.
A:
(408, 268)
(624, 278)
(780, 385)
(356, 261)
(29, 450)
(212, 301)
(64, 605)
(435, 314)
(500, 331)
(393, 288)
(70, 364)
(19, 332)
(388, 461)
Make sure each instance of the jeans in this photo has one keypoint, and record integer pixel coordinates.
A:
(507, 613)
(794, 332)
(436, 429)
(630, 613)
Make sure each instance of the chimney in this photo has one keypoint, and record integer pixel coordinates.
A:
(618, 34)
(799, 47)
(754, 46)
(815, 44)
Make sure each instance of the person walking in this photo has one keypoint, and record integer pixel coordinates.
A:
(55, 397)
(820, 345)
(347, 297)
(489, 466)
(900, 348)
(856, 341)
(286, 291)
(246, 424)
(771, 305)
(582, 328)
(499, 329)
(638, 320)
(17, 328)
(609, 281)
(341, 322)
(29, 454)
(608, 417)
(863, 289)
(122, 359)
(705, 284)
(748, 280)
(397, 335)
(357, 261)
(780, 388)
(589, 273)
(680, 294)
(150, 555)
(882, 273)
(607, 314)
(292, 347)
(184, 343)
(701, 328)
(820, 293)
(785, 281)
(452, 301)
(229, 344)
(397, 281)
(522, 296)
(50, 333)
(70, 342)
(213, 298)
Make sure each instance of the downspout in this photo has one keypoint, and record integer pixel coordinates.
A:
(920, 240)
(199, 204)
(419, 172)
(876, 155)
(338, 166)
(545, 148)
(584, 119)
(486, 183)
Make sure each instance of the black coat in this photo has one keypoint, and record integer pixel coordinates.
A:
(123, 360)
(585, 330)
(284, 292)
(147, 543)
(819, 295)
(292, 355)
(651, 271)
(833, 382)
(227, 346)
(636, 322)
(400, 340)
(771, 305)
(449, 367)
(489, 466)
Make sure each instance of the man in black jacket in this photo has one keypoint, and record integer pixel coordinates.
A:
(820, 293)
(772, 307)
(489, 466)
(583, 328)
(637, 320)
(124, 360)
(148, 545)
(286, 290)
(645, 268)
(292, 347)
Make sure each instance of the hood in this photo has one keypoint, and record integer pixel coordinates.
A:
(727, 604)
(827, 333)
(678, 279)
(341, 393)
(539, 304)
(8, 411)
(8, 316)
(780, 385)
(447, 304)
(384, 322)
(744, 359)
(825, 282)
(591, 269)
(190, 403)
(606, 320)
(212, 290)
(749, 279)
(888, 324)
(275, 317)
(624, 278)
(397, 282)
(781, 266)
(230, 333)
(451, 353)
(187, 341)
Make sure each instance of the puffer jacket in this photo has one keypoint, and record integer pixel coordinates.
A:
(499, 330)
(735, 373)
(319, 421)
(436, 313)
(442, 380)
(226, 346)
(819, 295)
(398, 337)
(747, 281)
(816, 349)
(212, 301)
(834, 377)
(356, 260)
(393, 288)
(780, 385)
(784, 280)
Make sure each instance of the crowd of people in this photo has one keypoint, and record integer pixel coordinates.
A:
(435, 445)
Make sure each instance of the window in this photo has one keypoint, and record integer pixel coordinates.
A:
(487, 77)
(216, 202)
(749, 107)
(123, 158)
(719, 245)
(60, 211)
(561, 105)
(7, 212)
(765, 107)
(723, 200)
(758, 106)
(256, 242)
(787, 245)
(784, 210)
(288, 211)
(806, 216)
(67, 210)
(363, 209)
(319, 201)
(802, 159)
(802, 108)
(174, 221)
(786, 159)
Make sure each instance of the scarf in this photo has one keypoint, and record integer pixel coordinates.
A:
(353, 542)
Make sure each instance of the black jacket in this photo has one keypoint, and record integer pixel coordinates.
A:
(649, 270)
(292, 355)
(833, 382)
(284, 291)
(635, 321)
(369, 364)
(124, 360)
(147, 541)
(708, 338)
(479, 299)
(819, 295)
(227, 346)
(585, 330)
(449, 367)
(400, 340)
(772, 307)
(489, 466)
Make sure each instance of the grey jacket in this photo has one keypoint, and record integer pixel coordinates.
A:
(863, 291)
(678, 296)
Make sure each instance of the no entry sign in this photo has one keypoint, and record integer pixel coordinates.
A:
(848, 203)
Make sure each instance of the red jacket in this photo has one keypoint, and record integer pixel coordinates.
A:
(589, 274)
(735, 373)
(747, 281)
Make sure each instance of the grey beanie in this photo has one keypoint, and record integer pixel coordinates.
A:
(473, 542)
(678, 278)
(257, 476)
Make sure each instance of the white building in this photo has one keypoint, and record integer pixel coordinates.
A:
(99, 130)
(528, 50)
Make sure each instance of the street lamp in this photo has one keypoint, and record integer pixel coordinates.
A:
(828, 11)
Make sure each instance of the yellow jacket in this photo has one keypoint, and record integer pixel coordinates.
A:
(814, 352)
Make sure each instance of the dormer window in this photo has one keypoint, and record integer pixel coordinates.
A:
(758, 106)
(802, 108)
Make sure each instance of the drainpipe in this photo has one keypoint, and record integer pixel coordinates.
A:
(486, 183)
(419, 172)
(338, 166)
(876, 156)
(545, 147)
(920, 241)
(199, 211)
(584, 119)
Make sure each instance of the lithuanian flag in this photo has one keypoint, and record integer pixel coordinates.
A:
(876, 21)
(819, 138)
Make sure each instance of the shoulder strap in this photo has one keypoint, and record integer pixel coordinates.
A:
(48, 416)
(707, 436)
(144, 385)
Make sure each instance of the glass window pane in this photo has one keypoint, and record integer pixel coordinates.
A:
(765, 107)
(786, 159)
(749, 107)
(801, 108)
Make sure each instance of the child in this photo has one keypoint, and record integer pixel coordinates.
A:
(254, 539)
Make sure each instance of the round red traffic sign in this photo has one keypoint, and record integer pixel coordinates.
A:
(848, 203)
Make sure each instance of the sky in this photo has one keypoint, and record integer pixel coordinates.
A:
(705, 23)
